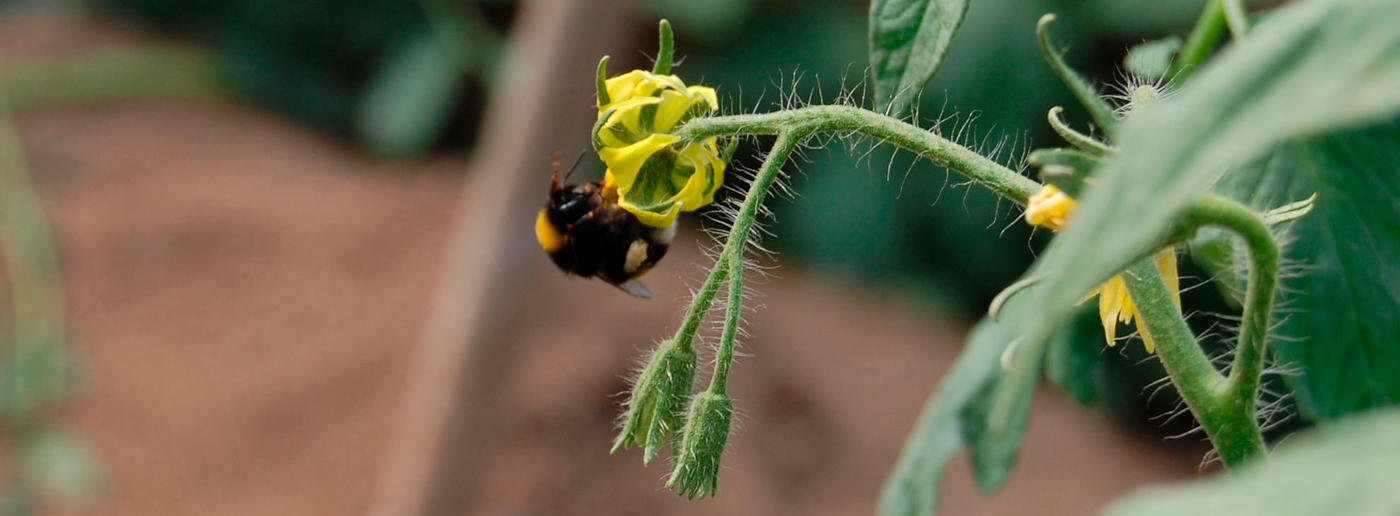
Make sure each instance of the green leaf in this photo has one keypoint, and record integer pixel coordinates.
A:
(1072, 359)
(1151, 59)
(1310, 67)
(994, 446)
(1339, 332)
(1346, 467)
(912, 489)
(908, 39)
(407, 103)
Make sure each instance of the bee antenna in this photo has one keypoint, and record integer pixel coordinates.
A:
(573, 167)
(554, 181)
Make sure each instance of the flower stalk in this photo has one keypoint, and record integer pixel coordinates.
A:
(1224, 406)
(802, 122)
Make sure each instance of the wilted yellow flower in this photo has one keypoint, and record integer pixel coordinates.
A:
(657, 175)
(1051, 208)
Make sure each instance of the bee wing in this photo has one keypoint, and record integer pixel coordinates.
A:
(636, 288)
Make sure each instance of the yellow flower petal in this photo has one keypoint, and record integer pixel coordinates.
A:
(1110, 305)
(706, 93)
(626, 113)
(1050, 207)
(652, 218)
(674, 106)
(1166, 264)
(626, 161)
(626, 86)
(667, 81)
(642, 108)
(700, 186)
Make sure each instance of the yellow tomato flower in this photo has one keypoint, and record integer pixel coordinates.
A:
(1051, 208)
(657, 175)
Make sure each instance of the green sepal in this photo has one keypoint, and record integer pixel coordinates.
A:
(1083, 91)
(602, 86)
(1067, 169)
(658, 399)
(696, 470)
(665, 48)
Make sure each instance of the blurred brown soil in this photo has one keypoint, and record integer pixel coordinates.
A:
(247, 297)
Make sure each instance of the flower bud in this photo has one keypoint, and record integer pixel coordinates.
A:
(696, 470)
(658, 399)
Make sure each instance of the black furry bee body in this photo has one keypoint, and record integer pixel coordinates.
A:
(586, 233)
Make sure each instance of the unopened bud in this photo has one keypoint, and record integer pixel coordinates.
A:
(696, 470)
(658, 399)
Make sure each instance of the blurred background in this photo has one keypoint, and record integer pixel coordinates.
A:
(270, 257)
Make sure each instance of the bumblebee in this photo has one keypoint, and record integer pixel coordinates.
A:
(586, 233)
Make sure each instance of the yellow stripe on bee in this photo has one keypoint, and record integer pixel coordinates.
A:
(549, 237)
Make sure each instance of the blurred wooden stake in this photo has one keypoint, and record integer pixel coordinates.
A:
(542, 102)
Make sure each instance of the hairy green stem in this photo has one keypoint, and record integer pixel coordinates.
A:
(801, 122)
(732, 257)
(1225, 406)
(1230, 426)
(1204, 36)
(699, 306)
(1243, 382)
(724, 358)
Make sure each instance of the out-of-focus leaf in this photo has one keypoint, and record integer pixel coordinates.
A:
(59, 465)
(408, 102)
(1340, 332)
(1344, 467)
(908, 39)
(912, 490)
(994, 447)
(1151, 59)
(1072, 357)
(1311, 67)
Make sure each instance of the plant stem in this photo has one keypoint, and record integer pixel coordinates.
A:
(791, 126)
(1225, 406)
(1200, 43)
(1230, 426)
(1235, 18)
(731, 259)
(801, 122)
(699, 306)
(724, 358)
(1243, 383)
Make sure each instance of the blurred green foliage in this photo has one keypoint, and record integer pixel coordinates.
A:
(399, 75)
